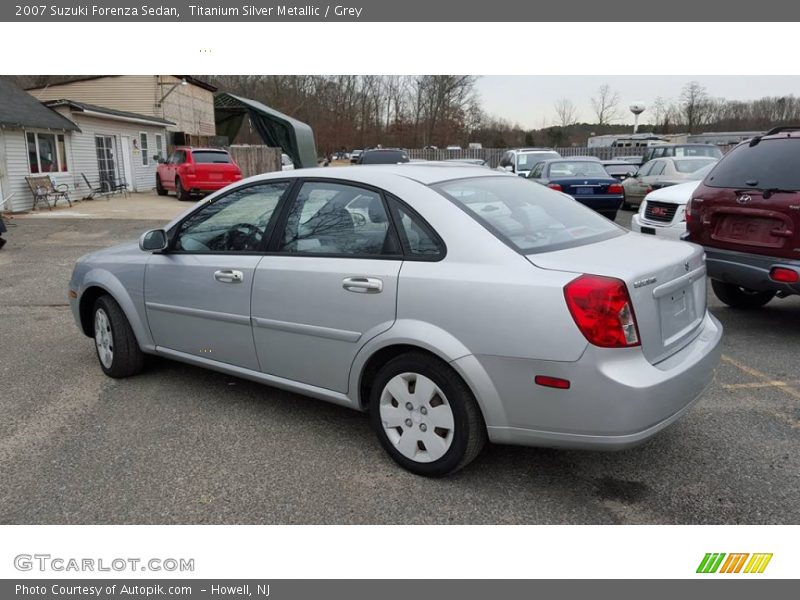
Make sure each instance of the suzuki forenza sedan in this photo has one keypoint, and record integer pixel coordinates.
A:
(453, 303)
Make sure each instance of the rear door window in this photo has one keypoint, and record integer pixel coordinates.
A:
(770, 164)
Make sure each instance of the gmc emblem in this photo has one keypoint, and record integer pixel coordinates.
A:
(659, 211)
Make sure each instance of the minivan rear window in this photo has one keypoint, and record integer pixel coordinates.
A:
(528, 216)
(210, 156)
(768, 164)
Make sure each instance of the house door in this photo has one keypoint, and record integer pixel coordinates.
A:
(106, 161)
(127, 163)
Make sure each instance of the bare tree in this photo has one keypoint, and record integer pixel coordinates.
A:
(566, 112)
(606, 105)
(694, 104)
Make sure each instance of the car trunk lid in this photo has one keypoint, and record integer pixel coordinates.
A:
(665, 281)
(585, 186)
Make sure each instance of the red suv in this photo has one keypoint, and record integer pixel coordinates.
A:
(746, 214)
(196, 170)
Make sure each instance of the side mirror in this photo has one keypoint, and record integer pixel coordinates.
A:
(154, 240)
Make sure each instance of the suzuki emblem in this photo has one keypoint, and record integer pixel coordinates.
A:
(744, 199)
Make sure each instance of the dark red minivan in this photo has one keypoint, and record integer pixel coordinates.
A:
(746, 214)
(196, 171)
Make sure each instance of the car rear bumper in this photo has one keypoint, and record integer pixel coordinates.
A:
(616, 398)
(672, 231)
(607, 205)
(749, 270)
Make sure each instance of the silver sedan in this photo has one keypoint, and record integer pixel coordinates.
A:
(453, 303)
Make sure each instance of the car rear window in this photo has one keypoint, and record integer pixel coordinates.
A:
(210, 156)
(768, 164)
(690, 166)
(577, 168)
(527, 216)
(526, 161)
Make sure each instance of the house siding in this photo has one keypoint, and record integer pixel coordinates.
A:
(190, 107)
(14, 168)
(131, 93)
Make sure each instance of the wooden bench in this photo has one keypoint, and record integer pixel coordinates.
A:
(44, 190)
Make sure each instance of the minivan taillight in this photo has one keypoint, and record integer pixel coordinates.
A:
(687, 215)
(602, 310)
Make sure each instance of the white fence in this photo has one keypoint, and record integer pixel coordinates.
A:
(492, 155)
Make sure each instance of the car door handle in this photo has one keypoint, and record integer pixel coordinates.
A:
(229, 276)
(362, 285)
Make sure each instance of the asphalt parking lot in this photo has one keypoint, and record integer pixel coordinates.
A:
(178, 444)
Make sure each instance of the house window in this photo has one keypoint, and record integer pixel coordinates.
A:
(47, 152)
(159, 147)
(143, 146)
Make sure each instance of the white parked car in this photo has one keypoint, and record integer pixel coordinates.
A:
(663, 211)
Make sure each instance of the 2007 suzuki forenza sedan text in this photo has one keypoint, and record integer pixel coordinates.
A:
(453, 303)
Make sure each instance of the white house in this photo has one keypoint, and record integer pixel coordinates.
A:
(113, 145)
(66, 140)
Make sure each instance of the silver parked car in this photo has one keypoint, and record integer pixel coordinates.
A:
(453, 303)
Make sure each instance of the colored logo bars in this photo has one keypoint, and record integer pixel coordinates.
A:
(713, 563)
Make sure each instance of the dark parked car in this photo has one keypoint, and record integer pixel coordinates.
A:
(383, 156)
(681, 151)
(746, 214)
(585, 180)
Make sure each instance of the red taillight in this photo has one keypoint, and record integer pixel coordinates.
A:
(648, 189)
(687, 214)
(784, 275)
(554, 186)
(601, 307)
(553, 382)
(615, 188)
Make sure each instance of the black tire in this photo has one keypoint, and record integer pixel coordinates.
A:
(128, 359)
(737, 296)
(160, 188)
(181, 193)
(469, 428)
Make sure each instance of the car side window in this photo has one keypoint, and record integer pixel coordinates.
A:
(338, 219)
(537, 171)
(645, 170)
(657, 169)
(418, 237)
(178, 157)
(235, 222)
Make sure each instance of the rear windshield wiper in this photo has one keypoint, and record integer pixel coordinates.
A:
(767, 192)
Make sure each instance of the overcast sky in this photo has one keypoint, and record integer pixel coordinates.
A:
(528, 100)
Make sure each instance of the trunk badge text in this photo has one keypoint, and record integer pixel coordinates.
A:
(743, 199)
(644, 282)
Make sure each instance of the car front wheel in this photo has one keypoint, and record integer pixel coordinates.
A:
(425, 415)
(737, 296)
(160, 189)
(116, 345)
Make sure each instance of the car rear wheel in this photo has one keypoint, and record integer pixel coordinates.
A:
(180, 192)
(160, 190)
(425, 415)
(116, 345)
(737, 296)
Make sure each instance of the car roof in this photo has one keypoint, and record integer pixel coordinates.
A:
(200, 149)
(427, 173)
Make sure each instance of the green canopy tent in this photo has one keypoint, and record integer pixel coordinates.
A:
(277, 130)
